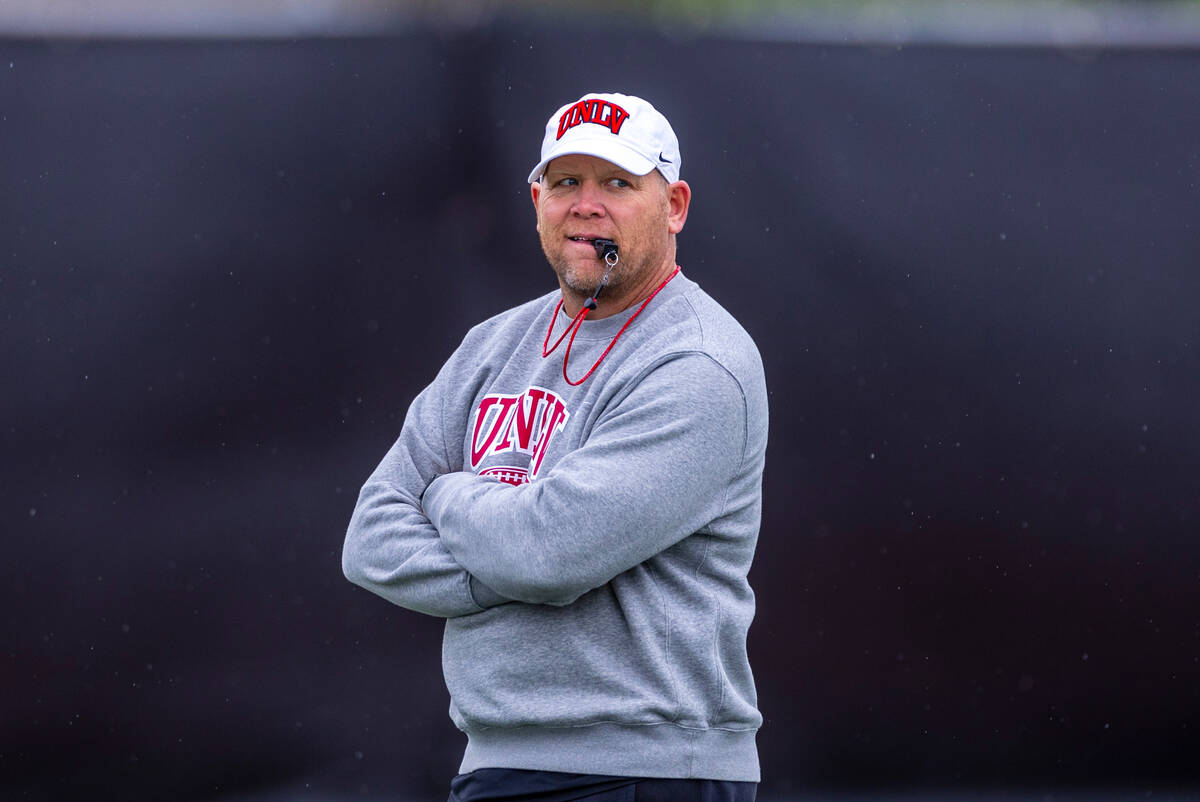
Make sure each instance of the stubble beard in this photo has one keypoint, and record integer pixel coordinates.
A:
(585, 282)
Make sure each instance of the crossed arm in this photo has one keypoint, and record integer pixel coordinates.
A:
(654, 469)
(391, 548)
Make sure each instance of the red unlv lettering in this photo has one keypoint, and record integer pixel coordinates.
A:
(525, 423)
(600, 112)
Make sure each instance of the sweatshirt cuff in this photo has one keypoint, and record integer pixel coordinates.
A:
(442, 491)
(484, 596)
(429, 499)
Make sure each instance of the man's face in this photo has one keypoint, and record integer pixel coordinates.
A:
(583, 198)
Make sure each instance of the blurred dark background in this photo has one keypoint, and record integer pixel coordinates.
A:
(227, 265)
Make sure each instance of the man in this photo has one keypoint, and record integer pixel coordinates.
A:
(578, 493)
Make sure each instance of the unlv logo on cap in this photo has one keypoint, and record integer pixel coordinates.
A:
(522, 423)
(600, 112)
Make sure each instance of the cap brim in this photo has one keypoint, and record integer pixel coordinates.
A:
(610, 149)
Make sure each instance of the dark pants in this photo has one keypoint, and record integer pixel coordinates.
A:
(688, 791)
(512, 785)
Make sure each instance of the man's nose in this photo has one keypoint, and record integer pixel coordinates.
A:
(588, 203)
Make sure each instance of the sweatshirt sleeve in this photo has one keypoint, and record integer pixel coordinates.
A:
(656, 468)
(391, 548)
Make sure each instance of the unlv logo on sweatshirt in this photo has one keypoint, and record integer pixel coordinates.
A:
(524, 423)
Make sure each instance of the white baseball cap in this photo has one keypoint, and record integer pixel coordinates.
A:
(622, 129)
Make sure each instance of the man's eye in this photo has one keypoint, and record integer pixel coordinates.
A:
(620, 183)
(567, 182)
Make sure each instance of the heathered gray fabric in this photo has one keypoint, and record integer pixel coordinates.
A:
(597, 615)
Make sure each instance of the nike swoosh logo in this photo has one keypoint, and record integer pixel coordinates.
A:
(663, 158)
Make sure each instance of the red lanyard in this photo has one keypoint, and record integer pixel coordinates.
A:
(573, 329)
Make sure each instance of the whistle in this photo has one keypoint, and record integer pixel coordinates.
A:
(605, 247)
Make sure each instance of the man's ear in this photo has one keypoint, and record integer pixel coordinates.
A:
(679, 198)
(535, 192)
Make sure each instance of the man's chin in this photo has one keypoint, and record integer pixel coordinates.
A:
(581, 281)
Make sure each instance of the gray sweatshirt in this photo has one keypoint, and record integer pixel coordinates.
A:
(588, 545)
